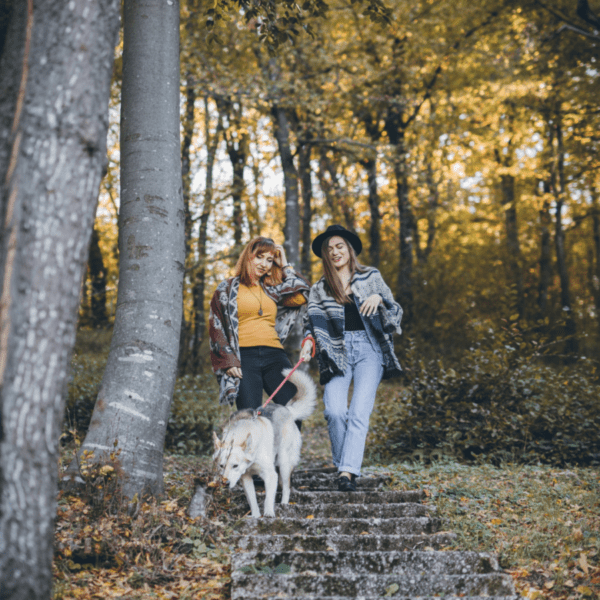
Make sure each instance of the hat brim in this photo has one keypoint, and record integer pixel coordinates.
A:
(347, 235)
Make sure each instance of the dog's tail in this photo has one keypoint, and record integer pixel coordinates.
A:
(303, 404)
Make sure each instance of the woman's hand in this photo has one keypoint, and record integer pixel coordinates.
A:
(306, 352)
(279, 258)
(234, 372)
(369, 306)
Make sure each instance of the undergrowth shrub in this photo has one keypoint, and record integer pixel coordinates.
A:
(194, 412)
(500, 402)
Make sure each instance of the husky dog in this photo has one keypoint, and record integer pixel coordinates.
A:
(255, 441)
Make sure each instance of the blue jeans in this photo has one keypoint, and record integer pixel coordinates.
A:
(348, 427)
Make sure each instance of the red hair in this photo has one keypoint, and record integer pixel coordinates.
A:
(256, 246)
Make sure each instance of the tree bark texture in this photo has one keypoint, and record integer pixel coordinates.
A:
(545, 258)
(507, 185)
(306, 179)
(133, 404)
(290, 177)
(186, 176)
(98, 316)
(596, 261)
(370, 165)
(395, 128)
(200, 271)
(559, 185)
(238, 143)
(55, 69)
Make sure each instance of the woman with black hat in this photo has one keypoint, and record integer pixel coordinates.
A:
(351, 318)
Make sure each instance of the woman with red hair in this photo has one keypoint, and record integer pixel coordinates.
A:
(251, 315)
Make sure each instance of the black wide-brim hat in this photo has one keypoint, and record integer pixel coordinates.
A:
(342, 232)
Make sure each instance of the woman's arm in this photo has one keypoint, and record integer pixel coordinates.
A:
(391, 310)
(222, 355)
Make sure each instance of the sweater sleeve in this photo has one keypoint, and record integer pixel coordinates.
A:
(222, 355)
(391, 311)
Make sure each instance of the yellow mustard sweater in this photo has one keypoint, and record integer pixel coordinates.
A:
(254, 329)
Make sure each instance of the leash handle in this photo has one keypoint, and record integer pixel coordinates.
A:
(314, 344)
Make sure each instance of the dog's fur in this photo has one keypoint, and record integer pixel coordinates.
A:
(255, 442)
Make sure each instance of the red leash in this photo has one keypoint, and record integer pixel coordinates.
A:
(290, 373)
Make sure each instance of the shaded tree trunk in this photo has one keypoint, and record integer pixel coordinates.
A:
(370, 165)
(336, 196)
(545, 256)
(559, 185)
(507, 185)
(395, 130)
(306, 178)
(212, 143)
(55, 68)
(186, 176)
(237, 149)
(133, 404)
(290, 177)
(97, 272)
(596, 257)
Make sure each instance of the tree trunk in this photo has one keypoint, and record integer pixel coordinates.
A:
(596, 261)
(545, 258)
(55, 69)
(290, 177)
(98, 283)
(559, 236)
(306, 178)
(200, 274)
(186, 176)
(370, 165)
(507, 185)
(133, 404)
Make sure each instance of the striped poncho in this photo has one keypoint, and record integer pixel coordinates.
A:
(223, 325)
(325, 321)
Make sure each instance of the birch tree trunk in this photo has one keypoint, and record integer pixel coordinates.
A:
(133, 404)
(55, 69)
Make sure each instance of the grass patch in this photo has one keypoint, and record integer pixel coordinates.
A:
(543, 522)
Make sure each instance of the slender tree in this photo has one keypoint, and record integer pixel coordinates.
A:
(55, 67)
(133, 404)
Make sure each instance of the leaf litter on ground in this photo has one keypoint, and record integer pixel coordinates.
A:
(543, 522)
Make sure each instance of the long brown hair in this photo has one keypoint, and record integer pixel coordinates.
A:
(256, 246)
(333, 285)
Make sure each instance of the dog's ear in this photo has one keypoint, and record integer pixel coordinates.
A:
(216, 441)
(247, 442)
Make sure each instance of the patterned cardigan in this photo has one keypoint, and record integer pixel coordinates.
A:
(223, 325)
(325, 321)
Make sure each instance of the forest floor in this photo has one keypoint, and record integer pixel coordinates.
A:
(542, 521)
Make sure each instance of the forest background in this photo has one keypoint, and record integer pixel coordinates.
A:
(459, 141)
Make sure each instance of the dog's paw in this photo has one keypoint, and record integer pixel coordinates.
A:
(269, 513)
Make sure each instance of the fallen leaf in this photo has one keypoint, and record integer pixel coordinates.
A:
(582, 562)
(310, 517)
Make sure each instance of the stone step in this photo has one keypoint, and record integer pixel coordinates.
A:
(358, 497)
(342, 543)
(353, 511)
(291, 526)
(329, 483)
(318, 585)
(406, 564)
(395, 597)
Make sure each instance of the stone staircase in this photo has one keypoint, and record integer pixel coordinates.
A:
(373, 543)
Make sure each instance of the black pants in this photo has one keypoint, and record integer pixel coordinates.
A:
(261, 369)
